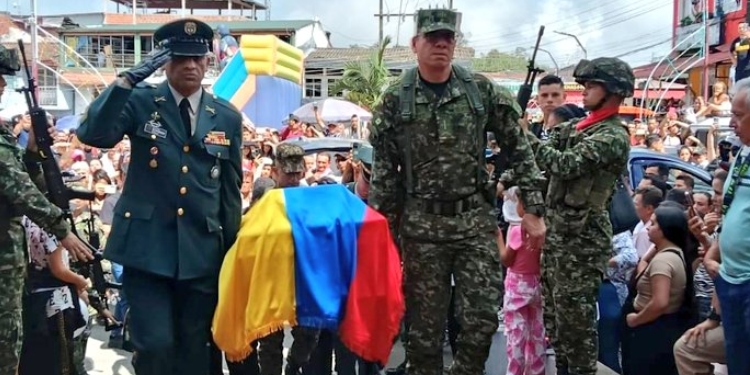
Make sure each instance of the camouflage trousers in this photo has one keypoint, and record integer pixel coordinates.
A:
(574, 266)
(428, 266)
(79, 348)
(271, 350)
(548, 313)
(11, 293)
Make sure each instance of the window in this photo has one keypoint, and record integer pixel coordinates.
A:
(147, 45)
(313, 87)
(47, 82)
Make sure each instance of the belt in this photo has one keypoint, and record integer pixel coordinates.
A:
(453, 208)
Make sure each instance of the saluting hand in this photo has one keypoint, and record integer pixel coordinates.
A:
(147, 67)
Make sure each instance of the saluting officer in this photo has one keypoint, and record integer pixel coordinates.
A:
(180, 206)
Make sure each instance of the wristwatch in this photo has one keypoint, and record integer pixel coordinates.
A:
(713, 315)
(536, 210)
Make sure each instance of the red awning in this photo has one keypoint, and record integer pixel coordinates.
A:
(656, 94)
(574, 97)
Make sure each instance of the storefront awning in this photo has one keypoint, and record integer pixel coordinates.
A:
(656, 94)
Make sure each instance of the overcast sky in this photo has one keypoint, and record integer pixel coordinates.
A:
(604, 27)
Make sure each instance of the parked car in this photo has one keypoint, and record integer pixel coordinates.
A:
(641, 158)
(333, 145)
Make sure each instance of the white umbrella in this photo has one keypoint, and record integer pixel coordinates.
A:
(332, 110)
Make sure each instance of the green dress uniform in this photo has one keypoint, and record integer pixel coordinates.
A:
(179, 211)
(429, 180)
(20, 196)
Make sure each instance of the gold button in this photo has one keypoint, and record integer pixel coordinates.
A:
(127, 214)
(180, 212)
(186, 148)
(183, 190)
(184, 169)
(153, 136)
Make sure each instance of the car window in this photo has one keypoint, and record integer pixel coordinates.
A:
(674, 168)
(699, 184)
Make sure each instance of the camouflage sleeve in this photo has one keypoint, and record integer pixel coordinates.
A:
(386, 185)
(507, 177)
(602, 147)
(503, 114)
(26, 199)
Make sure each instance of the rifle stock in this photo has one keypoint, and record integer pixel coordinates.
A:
(524, 92)
(57, 192)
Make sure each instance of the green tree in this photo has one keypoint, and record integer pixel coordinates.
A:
(364, 81)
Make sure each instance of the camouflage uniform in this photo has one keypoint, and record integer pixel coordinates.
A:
(583, 166)
(289, 159)
(445, 224)
(19, 196)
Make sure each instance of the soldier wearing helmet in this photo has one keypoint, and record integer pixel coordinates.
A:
(582, 159)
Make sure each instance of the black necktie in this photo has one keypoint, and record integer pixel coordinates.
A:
(185, 116)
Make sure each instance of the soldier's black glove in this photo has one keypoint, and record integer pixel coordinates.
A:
(148, 66)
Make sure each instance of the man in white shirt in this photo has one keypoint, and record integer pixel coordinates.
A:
(646, 200)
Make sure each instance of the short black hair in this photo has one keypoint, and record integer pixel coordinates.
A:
(650, 196)
(550, 79)
(663, 170)
(678, 196)
(689, 180)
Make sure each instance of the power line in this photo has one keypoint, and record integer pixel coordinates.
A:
(597, 26)
(604, 18)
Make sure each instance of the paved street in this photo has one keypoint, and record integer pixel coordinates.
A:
(101, 360)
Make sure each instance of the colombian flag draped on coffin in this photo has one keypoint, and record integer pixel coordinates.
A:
(313, 256)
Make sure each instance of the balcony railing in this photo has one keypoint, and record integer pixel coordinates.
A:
(122, 62)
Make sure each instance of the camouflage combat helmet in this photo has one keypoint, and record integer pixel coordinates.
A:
(431, 20)
(615, 74)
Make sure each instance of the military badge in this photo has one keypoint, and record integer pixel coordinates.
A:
(154, 127)
(158, 99)
(217, 138)
(215, 172)
(190, 28)
(211, 110)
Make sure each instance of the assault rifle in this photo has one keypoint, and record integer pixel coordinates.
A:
(524, 92)
(57, 192)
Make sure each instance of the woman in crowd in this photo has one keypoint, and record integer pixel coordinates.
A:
(660, 311)
(52, 310)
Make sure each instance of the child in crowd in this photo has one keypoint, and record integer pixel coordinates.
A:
(522, 306)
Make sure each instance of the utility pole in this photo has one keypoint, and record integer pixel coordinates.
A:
(450, 4)
(381, 16)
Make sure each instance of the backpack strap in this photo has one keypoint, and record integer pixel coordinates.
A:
(471, 89)
(406, 99)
